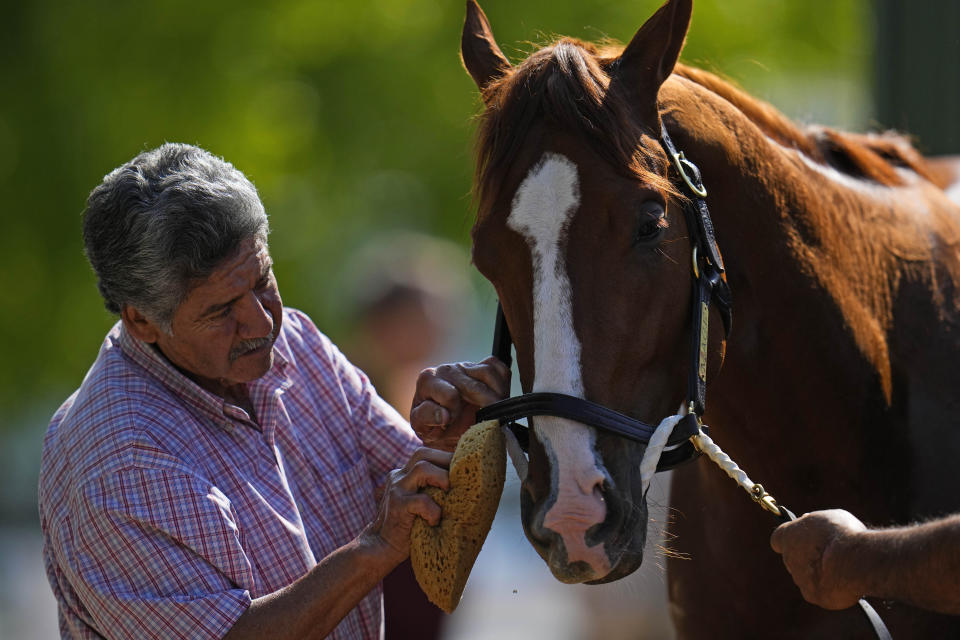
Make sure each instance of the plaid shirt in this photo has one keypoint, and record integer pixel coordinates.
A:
(165, 509)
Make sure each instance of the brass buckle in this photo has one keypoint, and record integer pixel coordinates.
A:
(679, 160)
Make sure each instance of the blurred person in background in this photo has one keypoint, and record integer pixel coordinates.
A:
(405, 296)
(217, 473)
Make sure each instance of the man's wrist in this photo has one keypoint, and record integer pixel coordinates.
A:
(851, 560)
(376, 553)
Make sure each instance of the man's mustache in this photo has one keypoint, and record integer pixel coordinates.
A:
(253, 344)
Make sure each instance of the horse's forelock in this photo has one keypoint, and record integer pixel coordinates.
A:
(564, 87)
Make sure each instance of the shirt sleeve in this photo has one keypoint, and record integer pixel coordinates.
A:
(386, 438)
(156, 554)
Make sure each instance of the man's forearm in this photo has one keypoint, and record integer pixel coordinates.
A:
(918, 565)
(313, 605)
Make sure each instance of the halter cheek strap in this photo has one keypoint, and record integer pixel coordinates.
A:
(709, 280)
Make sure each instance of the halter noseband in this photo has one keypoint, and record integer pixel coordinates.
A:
(709, 286)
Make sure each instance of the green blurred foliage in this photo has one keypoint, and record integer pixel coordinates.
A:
(350, 117)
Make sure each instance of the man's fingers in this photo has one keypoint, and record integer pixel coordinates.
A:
(498, 364)
(443, 391)
(422, 505)
(426, 467)
(429, 414)
(776, 539)
(471, 382)
(432, 386)
(493, 373)
(447, 397)
(427, 474)
(433, 456)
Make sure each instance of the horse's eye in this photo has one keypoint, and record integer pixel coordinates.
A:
(652, 222)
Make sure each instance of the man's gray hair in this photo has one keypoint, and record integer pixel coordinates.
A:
(165, 220)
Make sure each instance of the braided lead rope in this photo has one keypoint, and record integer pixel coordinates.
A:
(709, 448)
(651, 456)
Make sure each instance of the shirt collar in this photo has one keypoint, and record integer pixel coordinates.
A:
(150, 358)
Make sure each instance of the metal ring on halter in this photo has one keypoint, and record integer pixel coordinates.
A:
(680, 160)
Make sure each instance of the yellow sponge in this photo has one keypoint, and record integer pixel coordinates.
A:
(443, 556)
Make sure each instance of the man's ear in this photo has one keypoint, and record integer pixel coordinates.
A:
(139, 326)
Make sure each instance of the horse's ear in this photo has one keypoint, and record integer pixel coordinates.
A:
(652, 53)
(481, 55)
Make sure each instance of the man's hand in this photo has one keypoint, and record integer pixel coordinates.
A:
(447, 398)
(317, 601)
(402, 501)
(814, 552)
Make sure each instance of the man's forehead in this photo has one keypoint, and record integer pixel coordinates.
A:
(251, 261)
(252, 254)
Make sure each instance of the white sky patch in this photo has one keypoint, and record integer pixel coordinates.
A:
(867, 188)
(953, 191)
(909, 196)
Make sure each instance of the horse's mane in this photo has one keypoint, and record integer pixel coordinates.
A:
(872, 156)
(564, 86)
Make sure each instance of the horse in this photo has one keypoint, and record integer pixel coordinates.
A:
(836, 385)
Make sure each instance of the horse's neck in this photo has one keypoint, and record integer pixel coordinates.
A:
(800, 234)
(829, 273)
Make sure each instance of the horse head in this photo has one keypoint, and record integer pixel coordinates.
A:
(583, 235)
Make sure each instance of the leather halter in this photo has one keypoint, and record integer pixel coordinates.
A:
(709, 286)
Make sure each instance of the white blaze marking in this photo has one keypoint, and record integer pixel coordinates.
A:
(542, 208)
(541, 211)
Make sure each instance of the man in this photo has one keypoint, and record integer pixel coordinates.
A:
(835, 560)
(216, 473)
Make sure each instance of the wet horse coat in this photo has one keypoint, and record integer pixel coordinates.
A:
(838, 384)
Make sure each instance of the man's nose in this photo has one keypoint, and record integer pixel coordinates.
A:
(255, 318)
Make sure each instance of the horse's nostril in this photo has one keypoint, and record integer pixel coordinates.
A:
(539, 534)
(594, 483)
(603, 487)
(600, 490)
